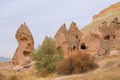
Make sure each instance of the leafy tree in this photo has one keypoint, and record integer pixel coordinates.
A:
(45, 56)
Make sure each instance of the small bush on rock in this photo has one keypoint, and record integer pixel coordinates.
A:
(76, 63)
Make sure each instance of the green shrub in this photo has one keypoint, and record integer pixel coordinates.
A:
(76, 63)
(45, 56)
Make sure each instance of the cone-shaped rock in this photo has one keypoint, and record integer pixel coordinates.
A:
(25, 46)
(68, 40)
(73, 28)
(73, 37)
(62, 30)
(60, 35)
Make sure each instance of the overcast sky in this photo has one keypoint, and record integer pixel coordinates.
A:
(43, 17)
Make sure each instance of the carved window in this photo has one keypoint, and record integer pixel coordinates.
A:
(107, 37)
(28, 44)
(26, 53)
(113, 36)
(74, 47)
(83, 46)
(76, 37)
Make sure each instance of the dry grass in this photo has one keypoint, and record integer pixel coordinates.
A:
(21, 75)
(111, 72)
(104, 72)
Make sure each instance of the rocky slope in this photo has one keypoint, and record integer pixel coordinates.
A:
(107, 15)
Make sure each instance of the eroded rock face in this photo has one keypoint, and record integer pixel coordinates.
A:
(107, 15)
(60, 35)
(115, 8)
(110, 36)
(90, 43)
(73, 36)
(114, 53)
(25, 46)
(68, 40)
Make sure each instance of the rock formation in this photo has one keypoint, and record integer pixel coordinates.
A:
(107, 22)
(107, 15)
(68, 40)
(60, 35)
(110, 35)
(104, 40)
(102, 36)
(115, 8)
(91, 43)
(25, 46)
(74, 36)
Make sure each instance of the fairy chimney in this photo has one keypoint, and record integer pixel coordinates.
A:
(25, 46)
(68, 40)
(60, 35)
(74, 36)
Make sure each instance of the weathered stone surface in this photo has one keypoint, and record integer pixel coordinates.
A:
(25, 46)
(107, 15)
(100, 41)
(73, 36)
(108, 11)
(68, 40)
(91, 43)
(60, 35)
(114, 53)
(110, 36)
(108, 30)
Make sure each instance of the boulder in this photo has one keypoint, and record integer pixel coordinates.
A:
(25, 46)
(17, 68)
(114, 53)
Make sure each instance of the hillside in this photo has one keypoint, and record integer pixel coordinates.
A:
(109, 69)
(107, 15)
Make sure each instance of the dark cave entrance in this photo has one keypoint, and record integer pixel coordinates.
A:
(107, 37)
(74, 47)
(83, 46)
(26, 53)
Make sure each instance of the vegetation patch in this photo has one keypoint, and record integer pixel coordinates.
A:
(47, 56)
(76, 63)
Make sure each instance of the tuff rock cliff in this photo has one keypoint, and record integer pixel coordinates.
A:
(25, 46)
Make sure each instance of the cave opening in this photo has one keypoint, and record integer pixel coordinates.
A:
(26, 53)
(107, 37)
(28, 44)
(76, 37)
(83, 46)
(114, 36)
(74, 47)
